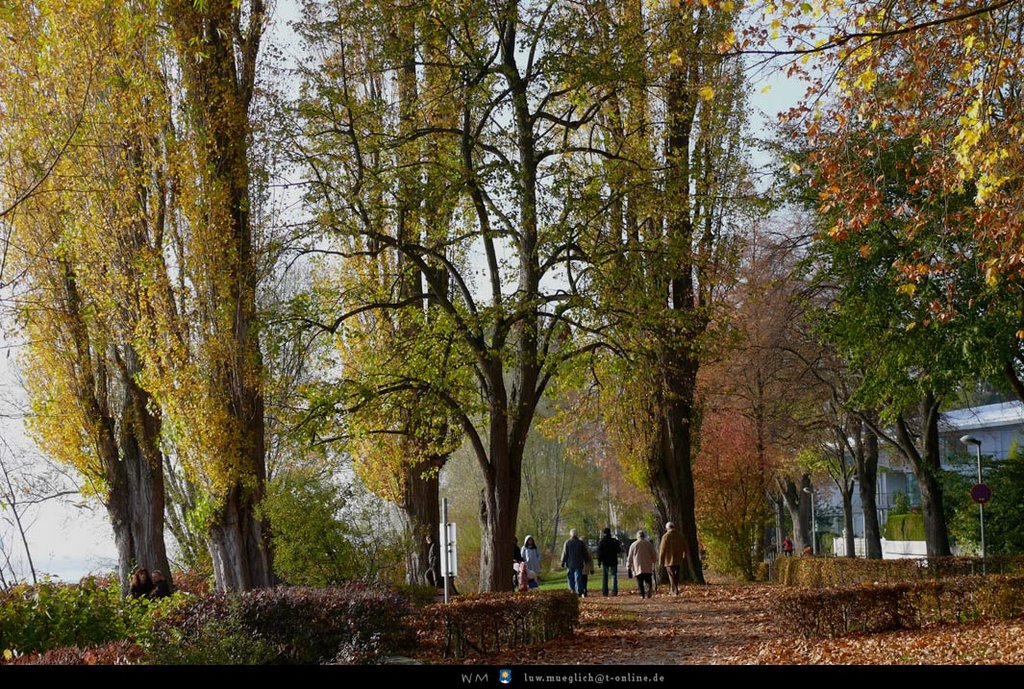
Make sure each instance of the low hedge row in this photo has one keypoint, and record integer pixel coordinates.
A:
(88, 624)
(113, 653)
(487, 623)
(351, 624)
(905, 605)
(818, 572)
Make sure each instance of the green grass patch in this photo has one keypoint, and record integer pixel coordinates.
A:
(554, 581)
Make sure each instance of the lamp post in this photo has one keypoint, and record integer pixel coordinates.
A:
(971, 440)
(814, 533)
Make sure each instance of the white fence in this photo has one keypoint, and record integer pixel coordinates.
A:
(891, 550)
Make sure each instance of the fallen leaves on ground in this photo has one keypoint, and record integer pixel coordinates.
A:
(729, 624)
(991, 642)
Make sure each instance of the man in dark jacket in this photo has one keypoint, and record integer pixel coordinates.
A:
(574, 559)
(608, 549)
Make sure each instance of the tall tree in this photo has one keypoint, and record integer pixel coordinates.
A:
(948, 77)
(732, 479)
(101, 188)
(385, 408)
(886, 318)
(513, 74)
(211, 380)
(663, 255)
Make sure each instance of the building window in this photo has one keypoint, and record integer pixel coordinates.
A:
(913, 490)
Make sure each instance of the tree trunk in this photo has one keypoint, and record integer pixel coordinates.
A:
(926, 466)
(799, 505)
(512, 407)
(867, 478)
(237, 543)
(126, 442)
(779, 507)
(140, 447)
(499, 510)
(808, 529)
(117, 501)
(421, 507)
(672, 479)
(851, 551)
(134, 504)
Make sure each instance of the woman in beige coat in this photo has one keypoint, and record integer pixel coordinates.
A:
(641, 560)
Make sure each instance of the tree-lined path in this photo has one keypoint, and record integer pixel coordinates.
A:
(726, 624)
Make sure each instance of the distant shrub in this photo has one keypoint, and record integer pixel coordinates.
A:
(906, 605)
(312, 545)
(193, 582)
(346, 624)
(487, 623)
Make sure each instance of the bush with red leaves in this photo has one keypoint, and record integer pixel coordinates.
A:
(351, 624)
(486, 623)
(907, 605)
(114, 653)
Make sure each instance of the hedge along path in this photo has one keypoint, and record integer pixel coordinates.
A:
(746, 624)
(712, 624)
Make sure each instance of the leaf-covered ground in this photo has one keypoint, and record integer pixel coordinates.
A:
(720, 624)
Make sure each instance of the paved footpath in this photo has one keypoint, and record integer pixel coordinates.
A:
(703, 625)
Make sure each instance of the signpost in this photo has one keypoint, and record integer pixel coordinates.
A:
(981, 493)
(450, 560)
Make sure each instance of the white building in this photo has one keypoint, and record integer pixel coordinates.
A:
(998, 427)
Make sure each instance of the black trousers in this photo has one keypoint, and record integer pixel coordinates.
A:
(642, 579)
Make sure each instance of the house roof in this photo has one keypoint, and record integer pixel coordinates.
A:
(986, 416)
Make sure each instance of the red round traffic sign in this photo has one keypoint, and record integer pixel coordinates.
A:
(981, 493)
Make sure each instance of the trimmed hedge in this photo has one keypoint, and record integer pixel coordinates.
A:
(350, 624)
(488, 623)
(905, 527)
(816, 572)
(906, 605)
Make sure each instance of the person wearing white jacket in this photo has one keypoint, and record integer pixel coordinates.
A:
(641, 560)
(531, 556)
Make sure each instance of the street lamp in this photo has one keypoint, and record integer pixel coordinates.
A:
(814, 533)
(971, 440)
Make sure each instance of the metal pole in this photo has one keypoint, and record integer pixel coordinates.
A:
(447, 546)
(981, 515)
(814, 525)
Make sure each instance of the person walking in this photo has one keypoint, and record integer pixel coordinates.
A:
(787, 547)
(517, 559)
(588, 569)
(608, 550)
(433, 572)
(672, 555)
(531, 557)
(574, 559)
(640, 560)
